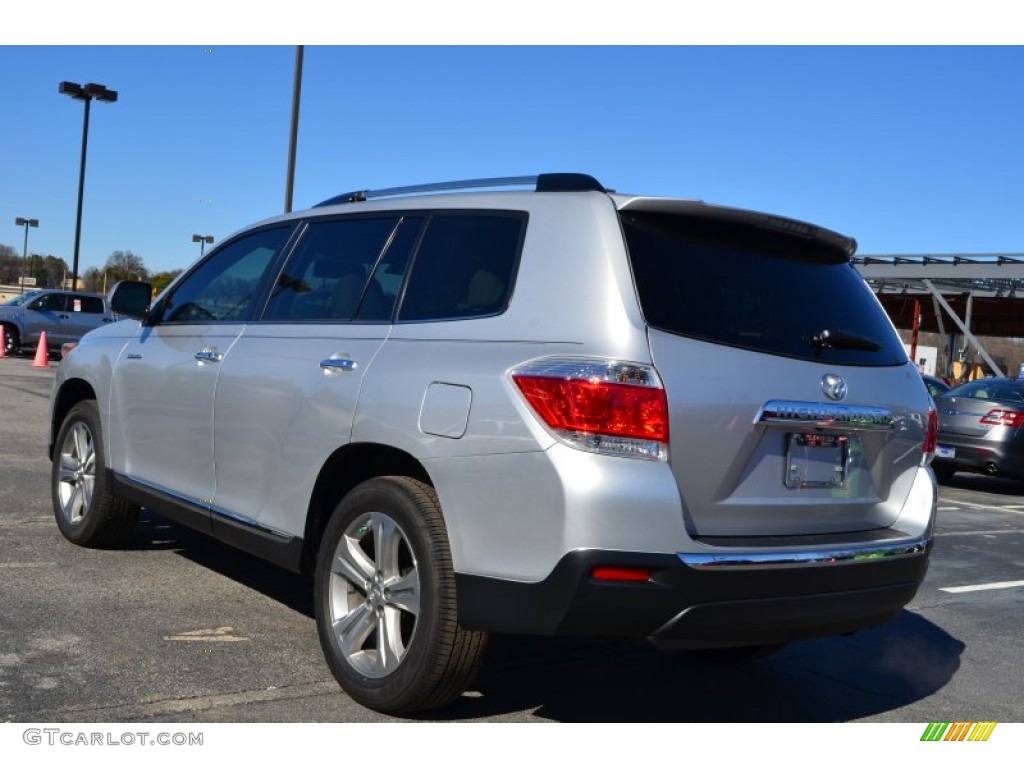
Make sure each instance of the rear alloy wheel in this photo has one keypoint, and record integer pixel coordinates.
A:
(87, 512)
(385, 600)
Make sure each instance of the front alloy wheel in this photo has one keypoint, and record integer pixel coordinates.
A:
(86, 510)
(76, 472)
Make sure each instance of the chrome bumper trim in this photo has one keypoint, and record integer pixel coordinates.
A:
(815, 558)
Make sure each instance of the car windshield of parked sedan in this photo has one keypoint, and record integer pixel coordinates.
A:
(1000, 390)
(17, 301)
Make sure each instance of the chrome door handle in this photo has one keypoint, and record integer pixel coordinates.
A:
(209, 356)
(338, 364)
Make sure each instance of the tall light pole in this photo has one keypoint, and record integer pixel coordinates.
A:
(19, 221)
(202, 240)
(85, 93)
(294, 134)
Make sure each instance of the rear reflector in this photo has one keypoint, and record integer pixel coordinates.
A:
(1003, 417)
(617, 573)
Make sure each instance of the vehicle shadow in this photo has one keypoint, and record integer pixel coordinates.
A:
(827, 680)
(569, 679)
(290, 589)
(1003, 486)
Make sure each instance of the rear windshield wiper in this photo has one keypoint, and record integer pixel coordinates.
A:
(836, 339)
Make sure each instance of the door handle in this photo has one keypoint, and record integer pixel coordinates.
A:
(337, 364)
(209, 356)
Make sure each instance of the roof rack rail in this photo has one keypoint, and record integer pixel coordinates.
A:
(543, 182)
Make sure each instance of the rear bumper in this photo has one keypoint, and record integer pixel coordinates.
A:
(702, 602)
(979, 455)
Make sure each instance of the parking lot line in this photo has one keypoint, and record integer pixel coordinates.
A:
(1015, 508)
(982, 587)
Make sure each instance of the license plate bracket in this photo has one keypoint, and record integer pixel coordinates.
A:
(816, 460)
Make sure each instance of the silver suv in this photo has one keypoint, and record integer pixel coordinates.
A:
(560, 410)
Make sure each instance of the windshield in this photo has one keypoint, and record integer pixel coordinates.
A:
(17, 301)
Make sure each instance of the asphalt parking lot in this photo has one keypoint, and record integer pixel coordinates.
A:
(175, 627)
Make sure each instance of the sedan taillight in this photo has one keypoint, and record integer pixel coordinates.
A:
(1003, 417)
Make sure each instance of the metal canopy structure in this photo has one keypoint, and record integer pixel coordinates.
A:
(974, 295)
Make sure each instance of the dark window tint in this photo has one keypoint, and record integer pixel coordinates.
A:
(464, 267)
(386, 281)
(92, 305)
(224, 286)
(51, 302)
(326, 278)
(756, 289)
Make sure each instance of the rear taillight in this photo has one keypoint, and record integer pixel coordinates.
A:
(1003, 417)
(931, 435)
(605, 406)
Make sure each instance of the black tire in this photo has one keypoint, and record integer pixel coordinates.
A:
(385, 600)
(943, 472)
(87, 512)
(12, 340)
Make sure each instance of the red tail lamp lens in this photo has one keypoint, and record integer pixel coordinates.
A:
(1003, 417)
(931, 435)
(598, 407)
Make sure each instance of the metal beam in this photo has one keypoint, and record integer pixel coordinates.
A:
(968, 336)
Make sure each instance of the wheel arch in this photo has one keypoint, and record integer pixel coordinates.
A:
(72, 392)
(346, 468)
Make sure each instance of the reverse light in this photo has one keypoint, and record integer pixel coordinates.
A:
(1003, 417)
(604, 406)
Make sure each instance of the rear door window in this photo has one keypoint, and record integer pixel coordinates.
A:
(756, 289)
(343, 270)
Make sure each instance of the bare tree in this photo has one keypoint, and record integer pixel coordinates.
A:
(125, 265)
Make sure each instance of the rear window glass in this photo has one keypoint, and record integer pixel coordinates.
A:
(1000, 390)
(756, 289)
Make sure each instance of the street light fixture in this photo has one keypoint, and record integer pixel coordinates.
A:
(85, 93)
(202, 240)
(19, 221)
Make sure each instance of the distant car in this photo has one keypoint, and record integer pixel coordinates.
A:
(65, 316)
(935, 386)
(981, 429)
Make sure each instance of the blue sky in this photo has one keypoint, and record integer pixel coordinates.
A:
(911, 149)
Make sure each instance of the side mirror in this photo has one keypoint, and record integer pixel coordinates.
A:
(131, 299)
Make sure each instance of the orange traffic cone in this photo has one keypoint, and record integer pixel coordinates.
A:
(3, 342)
(42, 356)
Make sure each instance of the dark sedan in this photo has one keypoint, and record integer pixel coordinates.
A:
(981, 429)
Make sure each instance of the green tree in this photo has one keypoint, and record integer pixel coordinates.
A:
(162, 279)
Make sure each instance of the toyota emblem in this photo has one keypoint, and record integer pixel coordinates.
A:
(833, 386)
